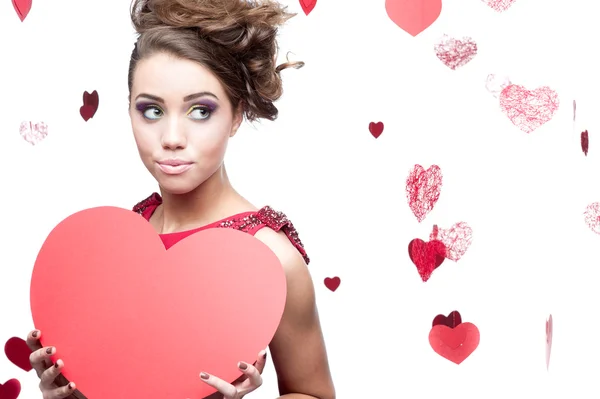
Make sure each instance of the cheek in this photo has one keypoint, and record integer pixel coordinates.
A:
(211, 142)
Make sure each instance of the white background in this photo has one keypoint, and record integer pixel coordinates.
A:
(523, 195)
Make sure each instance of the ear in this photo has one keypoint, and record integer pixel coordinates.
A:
(238, 118)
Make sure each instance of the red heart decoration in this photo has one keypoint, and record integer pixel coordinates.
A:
(10, 390)
(18, 352)
(308, 5)
(423, 189)
(152, 318)
(332, 283)
(454, 344)
(457, 239)
(451, 321)
(455, 53)
(549, 329)
(528, 110)
(376, 129)
(585, 142)
(427, 256)
(413, 16)
(90, 105)
(22, 7)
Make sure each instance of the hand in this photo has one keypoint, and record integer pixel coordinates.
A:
(46, 371)
(248, 382)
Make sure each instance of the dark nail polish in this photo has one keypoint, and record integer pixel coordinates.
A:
(265, 355)
(204, 376)
(49, 351)
(34, 334)
(70, 386)
(55, 365)
(243, 366)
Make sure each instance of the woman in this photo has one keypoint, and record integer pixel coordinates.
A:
(198, 68)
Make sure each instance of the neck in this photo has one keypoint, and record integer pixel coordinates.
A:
(205, 204)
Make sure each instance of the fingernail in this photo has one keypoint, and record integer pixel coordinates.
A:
(49, 351)
(242, 366)
(34, 334)
(264, 354)
(56, 365)
(70, 385)
(204, 376)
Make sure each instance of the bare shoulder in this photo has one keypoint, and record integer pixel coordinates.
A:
(291, 259)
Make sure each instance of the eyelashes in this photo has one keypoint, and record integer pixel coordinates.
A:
(152, 111)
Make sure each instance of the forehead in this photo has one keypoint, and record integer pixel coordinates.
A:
(166, 75)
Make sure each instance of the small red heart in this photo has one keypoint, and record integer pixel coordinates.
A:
(454, 344)
(332, 283)
(90, 105)
(18, 352)
(308, 5)
(376, 129)
(427, 256)
(451, 321)
(10, 390)
(585, 142)
(22, 7)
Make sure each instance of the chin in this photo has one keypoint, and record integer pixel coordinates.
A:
(177, 187)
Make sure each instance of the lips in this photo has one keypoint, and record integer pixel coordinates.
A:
(173, 162)
(174, 166)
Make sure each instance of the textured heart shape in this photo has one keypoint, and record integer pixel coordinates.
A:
(549, 328)
(452, 320)
(528, 110)
(90, 105)
(10, 389)
(457, 239)
(152, 319)
(22, 7)
(33, 132)
(413, 16)
(308, 5)
(332, 283)
(376, 128)
(499, 5)
(18, 352)
(592, 217)
(427, 256)
(455, 53)
(455, 344)
(423, 189)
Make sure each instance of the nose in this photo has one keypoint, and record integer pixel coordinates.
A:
(173, 137)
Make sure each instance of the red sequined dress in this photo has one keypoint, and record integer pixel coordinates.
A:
(248, 222)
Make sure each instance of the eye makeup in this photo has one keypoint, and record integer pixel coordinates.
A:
(206, 104)
(142, 106)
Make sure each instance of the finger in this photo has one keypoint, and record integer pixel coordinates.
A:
(254, 377)
(40, 359)
(49, 375)
(228, 390)
(62, 392)
(33, 340)
(261, 361)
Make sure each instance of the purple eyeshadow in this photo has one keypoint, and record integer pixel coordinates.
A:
(208, 104)
(142, 106)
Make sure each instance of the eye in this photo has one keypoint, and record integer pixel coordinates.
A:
(199, 112)
(152, 112)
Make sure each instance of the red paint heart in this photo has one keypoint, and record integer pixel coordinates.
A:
(585, 142)
(427, 256)
(332, 283)
(10, 390)
(454, 344)
(499, 5)
(592, 217)
(376, 129)
(423, 189)
(452, 320)
(18, 352)
(158, 318)
(457, 239)
(528, 110)
(308, 5)
(413, 16)
(455, 53)
(90, 105)
(22, 7)
(548, 340)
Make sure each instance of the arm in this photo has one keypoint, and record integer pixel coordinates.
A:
(302, 369)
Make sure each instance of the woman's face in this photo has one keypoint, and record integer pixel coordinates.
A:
(182, 121)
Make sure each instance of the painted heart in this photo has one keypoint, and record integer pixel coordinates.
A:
(592, 217)
(90, 105)
(18, 352)
(496, 83)
(211, 300)
(457, 239)
(455, 344)
(332, 283)
(455, 53)
(376, 129)
(413, 16)
(452, 320)
(33, 132)
(22, 7)
(499, 5)
(585, 142)
(548, 340)
(423, 189)
(528, 110)
(308, 5)
(10, 389)
(427, 256)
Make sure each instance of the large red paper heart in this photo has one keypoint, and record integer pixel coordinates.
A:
(308, 5)
(427, 256)
(133, 320)
(454, 344)
(528, 109)
(423, 189)
(22, 7)
(10, 390)
(18, 352)
(413, 16)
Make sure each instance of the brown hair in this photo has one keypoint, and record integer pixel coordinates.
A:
(235, 39)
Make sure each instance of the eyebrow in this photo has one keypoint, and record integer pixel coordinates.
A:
(185, 99)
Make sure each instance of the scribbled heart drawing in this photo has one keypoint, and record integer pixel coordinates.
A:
(376, 129)
(496, 83)
(413, 16)
(18, 352)
(426, 256)
(548, 340)
(452, 320)
(90, 105)
(455, 344)
(308, 5)
(592, 217)
(332, 283)
(423, 189)
(527, 109)
(457, 239)
(455, 53)
(22, 7)
(585, 142)
(499, 5)
(33, 132)
(10, 389)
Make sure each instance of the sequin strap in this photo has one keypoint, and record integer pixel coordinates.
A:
(148, 204)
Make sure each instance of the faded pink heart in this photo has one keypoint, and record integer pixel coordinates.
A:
(549, 329)
(455, 53)
(592, 217)
(457, 239)
(499, 5)
(528, 109)
(33, 132)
